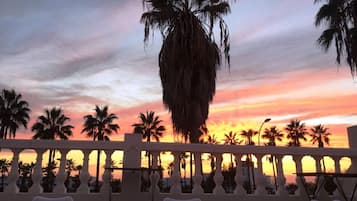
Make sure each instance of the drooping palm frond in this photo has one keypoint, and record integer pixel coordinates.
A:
(296, 131)
(14, 112)
(52, 125)
(340, 18)
(149, 126)
(320, 135)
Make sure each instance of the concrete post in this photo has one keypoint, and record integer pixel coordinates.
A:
(131, 179)
(352, 139)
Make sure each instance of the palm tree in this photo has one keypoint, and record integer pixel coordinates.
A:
(149, 127)
(189, 56)
(99, 127)
(231, 138)
(320, 135)
(248, 135)
(273, 134)
(340, 18)
(4, 169)
(53, 125)
(295, 132)
(14, 112)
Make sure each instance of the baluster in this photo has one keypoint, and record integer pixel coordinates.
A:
(336, 160)
(37, 173)
(14, 174)
(322, 194)
(107, 175)
(84, 175)
(300, 191)
(281, 180)
(176, 185)
(154, 174)
(218, 177)
(260, 177)
(197, 179)
(61, 176)
(318, 163)
(239, 190)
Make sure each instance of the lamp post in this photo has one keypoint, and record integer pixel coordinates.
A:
(260, 128)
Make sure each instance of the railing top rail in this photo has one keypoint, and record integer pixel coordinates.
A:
(62, 144)
(175, 147)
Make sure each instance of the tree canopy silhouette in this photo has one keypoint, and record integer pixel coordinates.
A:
(14, 112)
(189, 56)
(340, 18)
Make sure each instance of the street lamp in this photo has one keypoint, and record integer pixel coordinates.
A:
(260, 128)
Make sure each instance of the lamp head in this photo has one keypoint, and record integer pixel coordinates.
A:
(267, 120)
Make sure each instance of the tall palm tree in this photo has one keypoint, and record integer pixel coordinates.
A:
(99, 127)
(273, 134)
(340, 17)
(231, 138)
(149, 127)
(320, 135)
(53, 125)
(4, 169)
(189, 56)
(14, 112)
(295, 132)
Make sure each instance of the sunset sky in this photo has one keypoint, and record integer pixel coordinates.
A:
(76, 54)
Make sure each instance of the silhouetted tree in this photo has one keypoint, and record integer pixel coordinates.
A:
(320, 135)
(53, 125)
(4, 169)
(273, 134)
(25, 174)
(340, 18)
(189, 56)
(295, 132)
(99, 127)
(248, 135)
(14, 112)
(231, 138)
(149, 127)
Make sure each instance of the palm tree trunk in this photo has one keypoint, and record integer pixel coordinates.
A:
(2, 180)
(97, 172)
(149, 154)
(191, 172)
(274, 172)
(49, 158)
(249, 178)
(231, 160)
(323, 164)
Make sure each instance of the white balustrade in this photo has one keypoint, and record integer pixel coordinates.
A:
(37, 172)
(84, 175)
(197, 178)
(239, 190)
(135, 145)
(61, 176)
(218, 177)
(176, 185)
